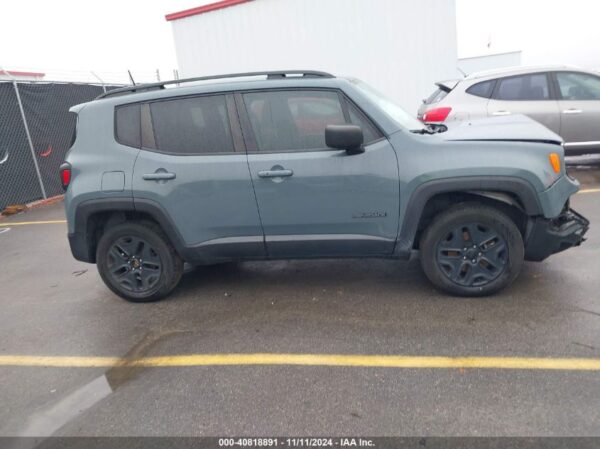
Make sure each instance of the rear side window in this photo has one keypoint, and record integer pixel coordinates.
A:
(127, 125)
(437, 96)
(525, 87)
(197, 125)
(483, 89)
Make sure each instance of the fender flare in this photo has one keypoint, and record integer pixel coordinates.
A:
(81, 241)
(478, 185)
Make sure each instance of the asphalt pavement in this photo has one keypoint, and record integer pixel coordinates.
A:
(55, 307)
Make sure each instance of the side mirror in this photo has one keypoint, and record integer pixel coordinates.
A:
(345, 137)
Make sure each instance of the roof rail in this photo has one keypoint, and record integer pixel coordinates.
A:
(279, 74)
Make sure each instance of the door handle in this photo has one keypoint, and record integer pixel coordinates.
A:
(275, 173)
(501, 113)
(572, 111)
(158, 176)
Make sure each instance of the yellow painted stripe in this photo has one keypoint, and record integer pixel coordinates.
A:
(383, 361)
(589, 191)
(25, 223)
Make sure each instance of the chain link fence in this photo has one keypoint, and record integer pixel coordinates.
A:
(36, 128)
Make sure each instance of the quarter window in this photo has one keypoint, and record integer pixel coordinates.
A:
(197, 125)
(483, 89)
(296, 120)
(526, 87)
(127, 125)
(578, 86)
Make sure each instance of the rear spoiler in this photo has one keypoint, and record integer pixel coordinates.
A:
(447, 85)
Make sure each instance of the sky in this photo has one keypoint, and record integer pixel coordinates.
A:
(67, 37)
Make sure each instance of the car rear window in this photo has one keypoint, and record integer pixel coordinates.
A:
(127, 125)
(483, 89)
(437, 96)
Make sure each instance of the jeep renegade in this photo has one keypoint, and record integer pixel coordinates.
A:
(303, 164)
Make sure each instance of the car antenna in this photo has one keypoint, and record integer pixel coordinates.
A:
(131, 77)
(464, 74)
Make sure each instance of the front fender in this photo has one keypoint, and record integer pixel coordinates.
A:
(415, 204)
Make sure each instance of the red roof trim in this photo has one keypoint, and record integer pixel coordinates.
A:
(203, 9)
(18, 73)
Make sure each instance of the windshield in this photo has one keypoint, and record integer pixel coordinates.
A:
(395, 112)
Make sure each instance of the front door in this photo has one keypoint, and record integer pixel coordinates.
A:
(192, 165)
(314, 200)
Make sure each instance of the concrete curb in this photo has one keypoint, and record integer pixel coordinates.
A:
(37, 204)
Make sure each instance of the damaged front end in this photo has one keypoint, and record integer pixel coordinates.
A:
(550, 236)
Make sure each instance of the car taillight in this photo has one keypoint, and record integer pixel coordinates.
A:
(65, 175)
(436, 115)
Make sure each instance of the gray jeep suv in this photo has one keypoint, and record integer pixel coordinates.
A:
(303, 164)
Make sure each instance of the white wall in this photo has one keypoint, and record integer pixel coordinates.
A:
(489, 62)
(400, 46)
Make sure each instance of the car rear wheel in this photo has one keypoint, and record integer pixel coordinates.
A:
(136, 261)
(472, 250)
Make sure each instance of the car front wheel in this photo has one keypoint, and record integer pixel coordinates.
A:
(472, 250)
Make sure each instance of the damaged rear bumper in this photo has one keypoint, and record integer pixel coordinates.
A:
(550, 236)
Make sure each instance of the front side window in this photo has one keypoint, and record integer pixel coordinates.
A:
(196, 125)
(525, 87)
(578, 86)
(292, 120)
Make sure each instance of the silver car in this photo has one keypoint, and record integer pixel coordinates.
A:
(564, 99)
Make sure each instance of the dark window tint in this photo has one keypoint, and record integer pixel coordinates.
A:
(128, 125)
(296, 120)
(370, 133)
(525, 87)
(190, 126)
(437, 96)
(578, 86)
(483, 89)
(292, 120)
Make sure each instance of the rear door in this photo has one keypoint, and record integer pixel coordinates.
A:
(193, 165)
(529, 95)
(316, 201)
(579, 102)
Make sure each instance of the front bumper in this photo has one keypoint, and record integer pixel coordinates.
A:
(550, 236)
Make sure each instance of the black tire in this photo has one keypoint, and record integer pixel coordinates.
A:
(120, 260)
(481, 267)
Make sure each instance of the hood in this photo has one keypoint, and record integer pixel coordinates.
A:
(517, 128)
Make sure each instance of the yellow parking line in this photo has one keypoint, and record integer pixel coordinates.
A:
(589, 191)
(24, 223)
(374, 361)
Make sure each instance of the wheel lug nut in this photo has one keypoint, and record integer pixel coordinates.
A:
(473, 261)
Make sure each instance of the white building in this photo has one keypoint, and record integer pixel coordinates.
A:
(399, 46)
(488, 62)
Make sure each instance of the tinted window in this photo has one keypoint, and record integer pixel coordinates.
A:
(483, 89)
(296, 120)
(191, 126)
(370, 133)
(578, 86)
(525, 87)
(437, 96)
(128, 125)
